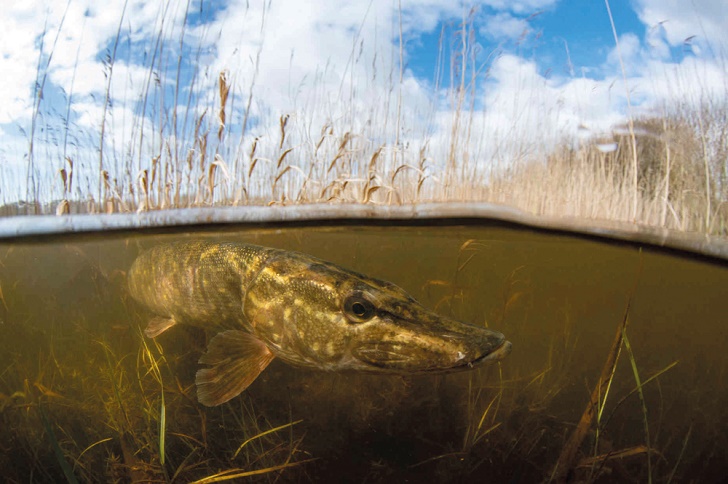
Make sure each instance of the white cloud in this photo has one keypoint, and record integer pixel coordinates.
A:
(545, 110)
(656, 42)
(18, 59)
(656, 80)
(299, 42)
(704, 20)
(521, 6)
(504, 26)
(628, 54)
(691, 82)
(87, 30)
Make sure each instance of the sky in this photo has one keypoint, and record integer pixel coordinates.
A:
(542, 69)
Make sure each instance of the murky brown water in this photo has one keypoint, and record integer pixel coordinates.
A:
(81, 387)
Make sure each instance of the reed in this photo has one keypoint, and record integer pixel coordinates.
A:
(352, 149)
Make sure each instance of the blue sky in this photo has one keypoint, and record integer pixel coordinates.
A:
(545, 68)
(549, 31)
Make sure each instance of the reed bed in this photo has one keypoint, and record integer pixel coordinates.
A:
(209, 143)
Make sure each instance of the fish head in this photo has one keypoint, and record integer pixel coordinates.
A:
(317, 314)
(395, 333)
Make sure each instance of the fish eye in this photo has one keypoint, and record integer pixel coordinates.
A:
(358, 308)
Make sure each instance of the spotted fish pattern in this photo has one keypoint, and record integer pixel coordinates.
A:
(263, 303)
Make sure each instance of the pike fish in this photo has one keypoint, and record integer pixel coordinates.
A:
(264, 303)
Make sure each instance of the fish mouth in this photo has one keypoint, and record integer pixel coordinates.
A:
(500, 352)
(379, 356)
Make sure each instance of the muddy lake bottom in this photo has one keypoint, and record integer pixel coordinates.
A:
(86, 397)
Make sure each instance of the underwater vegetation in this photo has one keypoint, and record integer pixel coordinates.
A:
(612, 377)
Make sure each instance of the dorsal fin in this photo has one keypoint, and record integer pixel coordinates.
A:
(236, 359)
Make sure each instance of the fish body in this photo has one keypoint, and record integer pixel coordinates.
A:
(265, 303)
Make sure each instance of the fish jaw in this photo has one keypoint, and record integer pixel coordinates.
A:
(425, 343)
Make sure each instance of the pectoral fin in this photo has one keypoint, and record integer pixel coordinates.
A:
(158, 325)
(236, 359)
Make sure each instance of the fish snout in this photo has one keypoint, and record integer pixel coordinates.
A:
(480, 345)
(494, 347)
(434, 351)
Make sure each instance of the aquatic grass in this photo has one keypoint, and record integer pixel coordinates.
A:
(645, 422)
(250, 430)
(682, 453)
(457, 455)
(115, 424)
(262, 434)
(60, 456)
(475, 433)
(157, 374)
(162, 428)
(260, 447)
(550, 381)
(201, 441)
(2, 299)
(120, 416)
(481, 405)
(534, 391)
(125, 423)
(567, 459)
(188, 466)
(567, 462)
(42, 385)
(643, 449)
(647, 448)
(77, 460)
(231, 474)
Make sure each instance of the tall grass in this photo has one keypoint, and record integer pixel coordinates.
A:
(676, 189)
(207, 140)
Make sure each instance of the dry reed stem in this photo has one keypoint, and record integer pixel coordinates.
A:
(590, 462)
(567, 460)
(630, 118)
(224, 91)
(283, 121)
